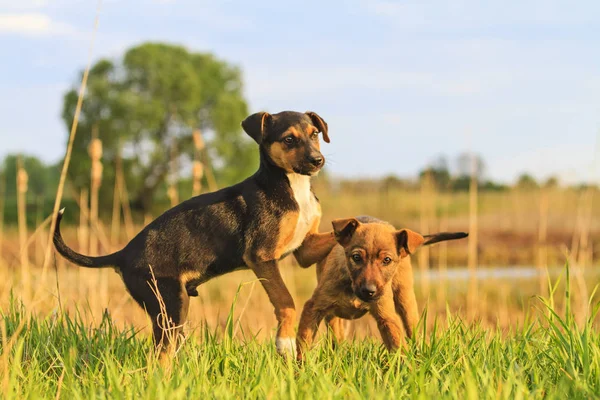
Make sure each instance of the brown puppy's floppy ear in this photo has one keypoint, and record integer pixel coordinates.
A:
(256, 125)
(443, 236)
(320, 124)
(344, 228)
(408, 242)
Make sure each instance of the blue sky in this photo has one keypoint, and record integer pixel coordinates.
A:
(399, 82)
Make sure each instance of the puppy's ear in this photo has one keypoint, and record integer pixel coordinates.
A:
(443, 236)
(408, 242)
(256, 125)
(343, 229)
(320, 124)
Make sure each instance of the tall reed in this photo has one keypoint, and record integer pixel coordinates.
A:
(542, 257)
(2, 200)
(39, 238)
(22, 179)
(95, 152)
(443, 253)
(173, 190)
(198, 167)
(425, 223)
(473, 240)
(83, 235)
(115, 228)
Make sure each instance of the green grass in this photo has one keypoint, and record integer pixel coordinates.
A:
(552, 358)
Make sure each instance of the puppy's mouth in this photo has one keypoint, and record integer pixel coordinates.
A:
(309, 170)
(367, 299)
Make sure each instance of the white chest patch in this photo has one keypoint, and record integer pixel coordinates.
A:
(309, 209)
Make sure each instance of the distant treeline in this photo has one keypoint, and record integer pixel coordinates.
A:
(43, 181)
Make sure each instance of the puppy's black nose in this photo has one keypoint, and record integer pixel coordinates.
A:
(368, 290)
(317, 161)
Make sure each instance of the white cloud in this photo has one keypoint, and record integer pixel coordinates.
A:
(32, 24)
(22, 4)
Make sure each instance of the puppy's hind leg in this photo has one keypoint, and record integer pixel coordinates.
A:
(166, 301)
(309, 324)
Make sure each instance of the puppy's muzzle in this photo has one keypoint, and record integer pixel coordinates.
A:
(367, 292)
(316, 160)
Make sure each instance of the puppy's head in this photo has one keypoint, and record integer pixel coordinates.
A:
(374, 249)
(289, 139)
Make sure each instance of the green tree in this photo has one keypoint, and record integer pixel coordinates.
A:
(551, 182)
(41, 187)
(526, 182)
(465, 165)
(151, 101)
(437, 171)
(42, 179)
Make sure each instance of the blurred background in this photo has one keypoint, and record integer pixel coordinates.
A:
(469, 116)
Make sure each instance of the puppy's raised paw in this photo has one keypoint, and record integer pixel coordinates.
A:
(286, 346)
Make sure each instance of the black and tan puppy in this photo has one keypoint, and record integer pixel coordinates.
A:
(369, 271)
(249, 225)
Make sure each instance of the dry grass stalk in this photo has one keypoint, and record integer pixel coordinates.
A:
(173, 192)
(200, 154)
(42, 286)
(95, 151)
(542, 258)
(115, 229)
(172, 333)
(98, 230)
(423, 255)
(2, 200)
(39, 243)
(584, 254)
(443, 254)
(198, 140)
(432, 222)
(473, 237)
(197, 173)
(127, 218)
(198, 167)
(22, 179)
(83, 234)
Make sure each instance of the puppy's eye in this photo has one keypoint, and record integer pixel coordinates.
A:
(356, 258)
(387, 260)
(314, 135)
(288, 140)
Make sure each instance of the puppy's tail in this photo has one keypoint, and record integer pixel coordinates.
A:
(80, 259)
(443, 236)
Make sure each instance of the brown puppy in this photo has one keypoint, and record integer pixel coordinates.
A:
(249, 225)
(369, 271)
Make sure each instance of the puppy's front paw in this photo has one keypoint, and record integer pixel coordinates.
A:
(286, 346)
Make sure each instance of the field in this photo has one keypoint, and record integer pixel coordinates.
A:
(76, 333)
(60, 356)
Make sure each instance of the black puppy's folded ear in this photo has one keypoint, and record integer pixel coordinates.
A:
(256, 124)
(408, 242)
(320, 124)
(344, 228)
(443, 236)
